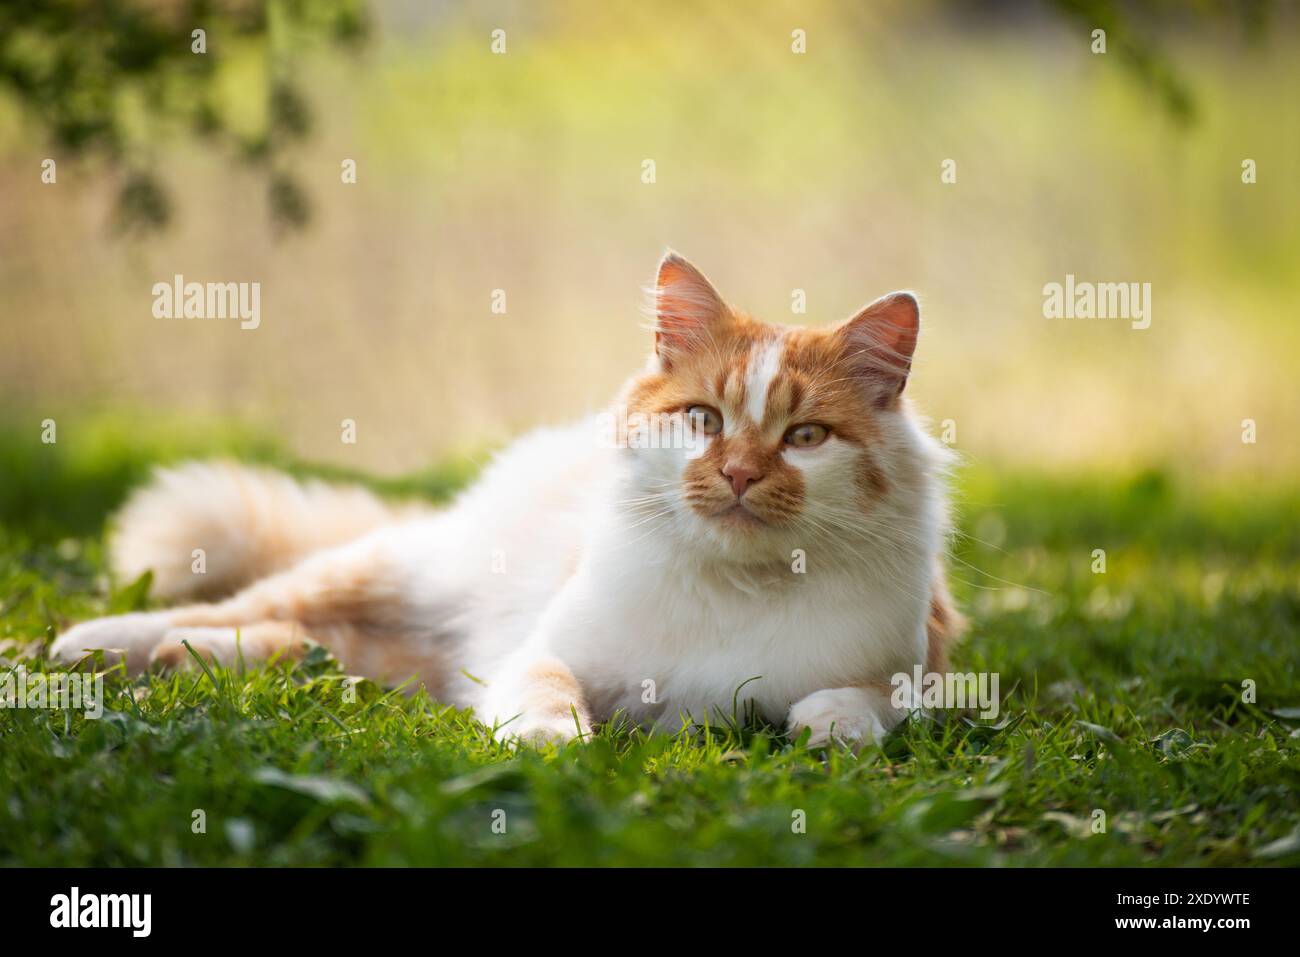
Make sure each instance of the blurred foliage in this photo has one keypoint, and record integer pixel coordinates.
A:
(108, 79)
(111, 77)
(1132, 35)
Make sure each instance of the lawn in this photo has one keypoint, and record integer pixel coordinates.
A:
(1127, 734)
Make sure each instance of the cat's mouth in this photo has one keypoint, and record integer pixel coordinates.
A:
(738, 515)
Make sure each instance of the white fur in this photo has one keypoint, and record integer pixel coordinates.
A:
(764, 366)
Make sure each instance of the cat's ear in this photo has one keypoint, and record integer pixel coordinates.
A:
(879, 342)
(687, 309)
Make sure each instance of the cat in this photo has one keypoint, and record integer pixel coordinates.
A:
(783, 556)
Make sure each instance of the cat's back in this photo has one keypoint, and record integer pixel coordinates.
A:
(516, 534)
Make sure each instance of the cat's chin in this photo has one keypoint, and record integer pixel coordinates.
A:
(738, 518)
(736, 534)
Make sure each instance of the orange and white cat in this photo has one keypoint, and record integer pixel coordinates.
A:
(786, 557)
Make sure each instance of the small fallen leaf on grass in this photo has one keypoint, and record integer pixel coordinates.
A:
(1106, 734)
(1079, 827)
(501, 777)
(1173, 742)
(1282, 847)
(323, 789)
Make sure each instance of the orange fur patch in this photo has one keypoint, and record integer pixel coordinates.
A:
(355, 609)
(943, 626)
(553, 692)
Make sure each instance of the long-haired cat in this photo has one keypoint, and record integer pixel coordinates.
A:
(779, 545)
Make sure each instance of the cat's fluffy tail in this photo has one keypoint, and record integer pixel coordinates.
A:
(248, 521)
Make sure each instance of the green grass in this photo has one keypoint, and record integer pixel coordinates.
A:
(1122, 695)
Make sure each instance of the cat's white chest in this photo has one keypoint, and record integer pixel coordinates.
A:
(675, 650)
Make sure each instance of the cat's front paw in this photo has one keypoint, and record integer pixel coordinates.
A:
(852, 716)
(539, 731)
(537, 701)
(131, 637)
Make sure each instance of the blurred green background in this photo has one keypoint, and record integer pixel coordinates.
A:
(775, 171)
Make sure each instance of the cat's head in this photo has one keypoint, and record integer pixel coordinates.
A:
(794, 434)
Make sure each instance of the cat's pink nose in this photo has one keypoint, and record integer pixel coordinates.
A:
(741, 476)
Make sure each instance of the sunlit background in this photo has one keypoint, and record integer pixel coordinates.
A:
(775, 171)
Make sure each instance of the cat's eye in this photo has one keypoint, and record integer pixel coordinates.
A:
(708, 421)
(807, 435)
